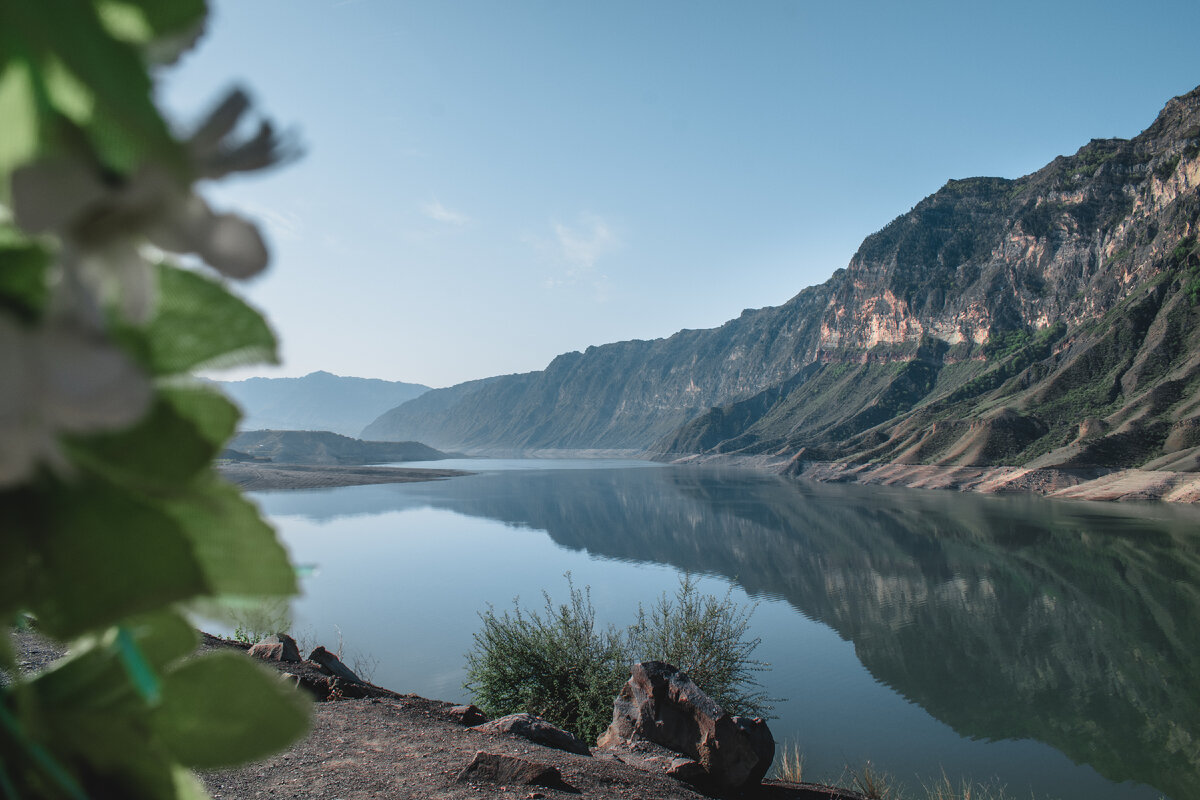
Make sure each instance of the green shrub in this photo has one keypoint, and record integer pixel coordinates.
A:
(560, 666)
(705, 636)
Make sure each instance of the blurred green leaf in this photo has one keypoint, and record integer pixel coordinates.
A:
(112, 751)
(211, 413)
(163, 637)
(238, 552)
(25, 520)
(199, 324)
(95, 675)
(139, 21)
(174, 443)
(222, 709)
(187, 785)
(18, 109)
(23, 269)
(107, 555)
(8, 656)
(70, 96)
(130, 128)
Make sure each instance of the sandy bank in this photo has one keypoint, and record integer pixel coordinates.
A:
(266, 476)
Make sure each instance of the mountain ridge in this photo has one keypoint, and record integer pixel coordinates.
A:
(318, 401)
(1045, 320)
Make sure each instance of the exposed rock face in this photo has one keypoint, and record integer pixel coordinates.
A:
(536, 729)
(982, 327)
(660, 704)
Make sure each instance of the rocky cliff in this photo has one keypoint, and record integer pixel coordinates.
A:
(1046, 320)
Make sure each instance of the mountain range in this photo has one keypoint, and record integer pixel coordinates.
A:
(318, 401)
(1047, 320)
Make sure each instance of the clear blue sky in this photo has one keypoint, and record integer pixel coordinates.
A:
(488, 184)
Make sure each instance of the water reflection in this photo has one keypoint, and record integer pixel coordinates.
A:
(1006, 618)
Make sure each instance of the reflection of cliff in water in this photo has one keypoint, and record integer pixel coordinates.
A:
(1074, 624)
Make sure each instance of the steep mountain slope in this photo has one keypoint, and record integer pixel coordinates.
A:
(1049, 319)
(1054, 316)
(317, 402)
(617, 396)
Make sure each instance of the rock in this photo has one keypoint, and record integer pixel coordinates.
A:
(761, 741)
(332, 665)
(290, 678)
(277, 647)
(512, 771)
(536, 730)
(660, 704)
(686, 770)
(468, 715)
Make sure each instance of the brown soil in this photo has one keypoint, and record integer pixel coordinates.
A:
(405, 746)
(268, 476)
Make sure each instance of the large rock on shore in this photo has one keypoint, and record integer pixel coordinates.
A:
(660, 704)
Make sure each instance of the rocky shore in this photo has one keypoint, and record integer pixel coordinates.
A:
(1074, 484)
(370, 742)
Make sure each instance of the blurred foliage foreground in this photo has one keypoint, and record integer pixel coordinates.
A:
(114, 521)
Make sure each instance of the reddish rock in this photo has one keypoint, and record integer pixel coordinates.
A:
(511, 771)
(468, 715)
(660, 704)
(332, 665)
(277, 647)
(537, 730)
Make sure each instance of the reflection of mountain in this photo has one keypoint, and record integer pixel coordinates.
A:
(1073, 624)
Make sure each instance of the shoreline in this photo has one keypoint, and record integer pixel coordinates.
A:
(269, 476)
(1099, 484)
(368, 741)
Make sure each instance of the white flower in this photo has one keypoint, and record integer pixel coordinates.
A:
(60, 380)
(104, 221)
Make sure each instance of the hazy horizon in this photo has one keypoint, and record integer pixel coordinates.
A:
(487, 186)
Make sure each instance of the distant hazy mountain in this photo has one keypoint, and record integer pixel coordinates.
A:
(323, 447)
(1050, 320)
(317, 402)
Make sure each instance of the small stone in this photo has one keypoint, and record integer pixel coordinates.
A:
(332, 665)
(277, 647)
(468, 715)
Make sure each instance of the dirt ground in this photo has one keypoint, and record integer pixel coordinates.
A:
(405, 746)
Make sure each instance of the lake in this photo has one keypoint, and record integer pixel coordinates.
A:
(1051, 647)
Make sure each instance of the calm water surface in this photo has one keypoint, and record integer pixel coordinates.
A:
(1050, 647)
